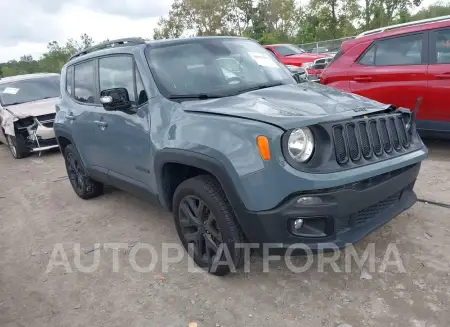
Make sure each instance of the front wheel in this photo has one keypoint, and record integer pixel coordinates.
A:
(17, 146)
(206, 225)
(82, 184)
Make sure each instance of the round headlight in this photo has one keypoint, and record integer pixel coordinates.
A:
(301, 144)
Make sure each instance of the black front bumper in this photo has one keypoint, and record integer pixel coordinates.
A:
(348, 213)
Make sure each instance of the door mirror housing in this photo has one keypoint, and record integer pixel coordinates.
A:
(115, 99)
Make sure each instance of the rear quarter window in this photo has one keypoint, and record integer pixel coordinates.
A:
(69, 80)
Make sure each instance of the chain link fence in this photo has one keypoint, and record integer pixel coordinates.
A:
(324, 46)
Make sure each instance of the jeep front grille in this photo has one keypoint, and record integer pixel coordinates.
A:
(375, 136)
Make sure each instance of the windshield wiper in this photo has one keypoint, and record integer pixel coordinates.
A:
(201, 96)
(259, 87)
(13, 104)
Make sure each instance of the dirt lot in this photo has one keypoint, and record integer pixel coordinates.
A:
(39, 209)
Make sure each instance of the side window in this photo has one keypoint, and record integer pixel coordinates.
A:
(117, 72)
(84, 88)
(398, 51)
(69, 80)
(443, 46)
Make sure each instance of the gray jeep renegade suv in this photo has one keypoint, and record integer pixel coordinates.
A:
(218, 132)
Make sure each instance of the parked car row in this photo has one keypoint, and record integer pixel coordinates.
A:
(292, 55)
(225, 138)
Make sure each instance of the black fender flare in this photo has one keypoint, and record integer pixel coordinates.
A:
(204, 162)
(62, 133)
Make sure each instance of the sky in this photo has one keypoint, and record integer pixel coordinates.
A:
(28, 25)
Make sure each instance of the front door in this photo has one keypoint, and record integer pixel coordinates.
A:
(125, 135)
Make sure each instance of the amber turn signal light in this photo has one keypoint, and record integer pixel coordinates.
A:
(264, 148)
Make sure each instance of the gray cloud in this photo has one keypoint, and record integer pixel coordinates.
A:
(37, 20)
(23, 21)
(130, 8)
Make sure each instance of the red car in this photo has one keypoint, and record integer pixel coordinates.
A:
(292, 55)
(397, 65)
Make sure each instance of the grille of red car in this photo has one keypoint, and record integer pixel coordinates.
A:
(374, 137)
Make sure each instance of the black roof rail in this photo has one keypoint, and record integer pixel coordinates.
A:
(110, 44)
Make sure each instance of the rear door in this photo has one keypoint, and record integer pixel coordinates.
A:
(393, 70)
(438, 92)
(81, 107)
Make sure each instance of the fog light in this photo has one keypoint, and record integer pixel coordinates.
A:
(298, 223)
(309, 200)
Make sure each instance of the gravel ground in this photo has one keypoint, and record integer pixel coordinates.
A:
(38, 209)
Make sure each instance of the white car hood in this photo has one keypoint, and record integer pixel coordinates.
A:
(10, 114)
(33, 109)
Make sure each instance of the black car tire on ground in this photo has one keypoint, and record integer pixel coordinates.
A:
(82, 184)
(17, 146)
(210, 225)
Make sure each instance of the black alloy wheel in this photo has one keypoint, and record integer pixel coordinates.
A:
(199, 227)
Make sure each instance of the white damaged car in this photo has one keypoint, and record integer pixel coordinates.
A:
(27, 113)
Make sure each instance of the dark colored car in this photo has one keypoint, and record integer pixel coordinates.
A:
(398, 64)
(250, 156)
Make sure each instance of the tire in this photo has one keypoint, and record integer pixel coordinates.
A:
(84, 186)
(221, 228)
(17, 146)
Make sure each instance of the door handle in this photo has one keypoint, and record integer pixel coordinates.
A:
(443, 76)
(101, 123)
(362, 78)
(70, 116)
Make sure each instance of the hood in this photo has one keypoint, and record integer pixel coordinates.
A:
(312, 56)
(34, 108)
(289, 106)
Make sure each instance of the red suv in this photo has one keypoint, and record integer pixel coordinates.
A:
(291, 55)
(397, 65)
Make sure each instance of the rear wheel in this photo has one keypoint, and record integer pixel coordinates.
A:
(82, 184)
(206, 225)
(17, 146)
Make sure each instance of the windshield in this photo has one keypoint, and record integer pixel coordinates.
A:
(29, 90)
(214, 68)
(288, 50)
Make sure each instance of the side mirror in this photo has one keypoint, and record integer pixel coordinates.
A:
(115, 99)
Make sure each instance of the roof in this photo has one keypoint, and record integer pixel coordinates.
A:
(389, 31)
(128, 44)
(25, 77)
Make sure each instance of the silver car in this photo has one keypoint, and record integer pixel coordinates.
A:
(27, 112)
